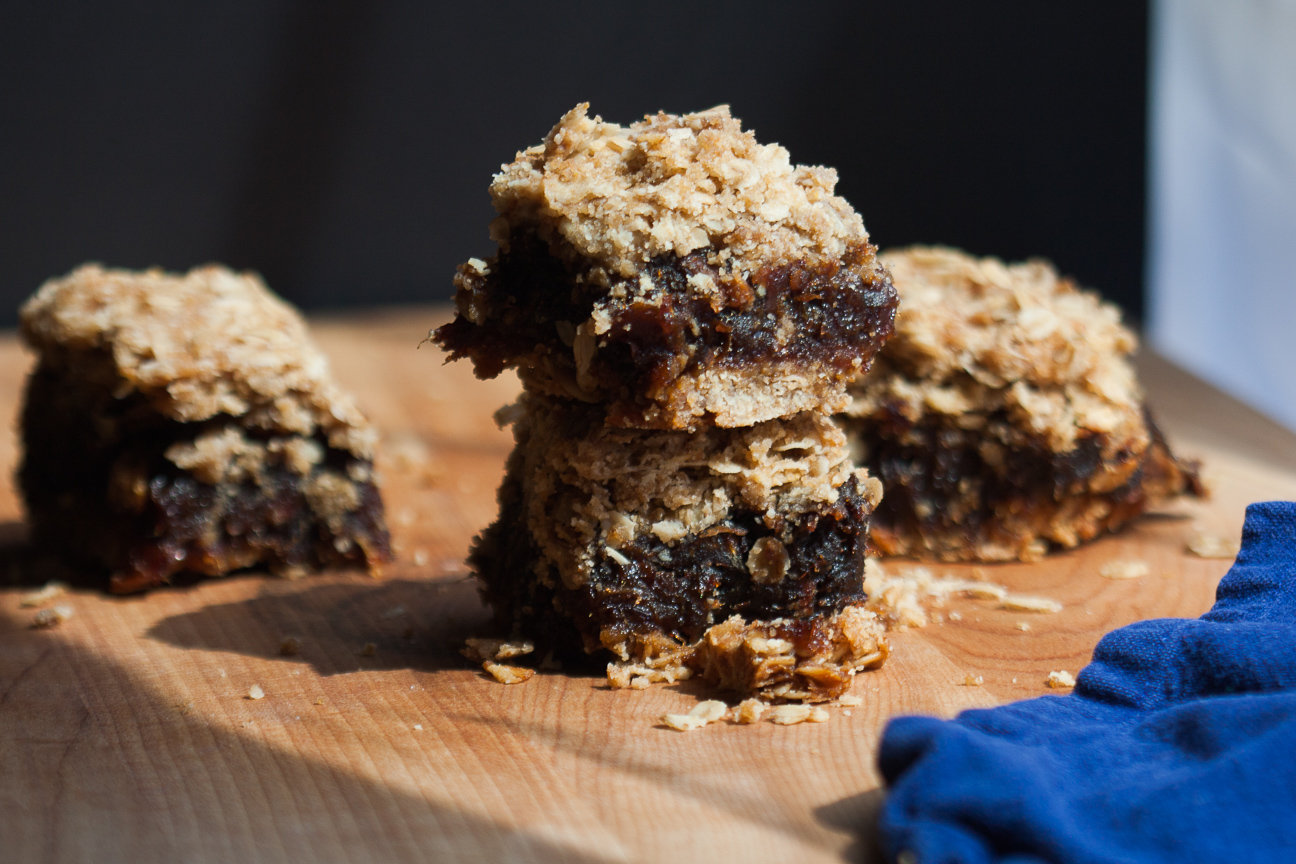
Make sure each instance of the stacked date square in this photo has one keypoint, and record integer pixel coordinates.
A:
(685, 309)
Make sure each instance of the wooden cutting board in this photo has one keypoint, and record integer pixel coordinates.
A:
(126, 734)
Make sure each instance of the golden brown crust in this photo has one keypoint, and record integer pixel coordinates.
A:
(974, 336)
(200, 344)
(620, 196)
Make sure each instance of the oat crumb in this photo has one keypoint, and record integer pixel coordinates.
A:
(818, 715)
(749, 711)
(1206, 545)
(52, 617)
(418, 727)
(1124, 570)
(1018, 603)
(789, 715)
(44, 595)
(255, 692)
(703, 713)
(846, 712)
(290, 646)
(496, 649)
(850, 701)
(1023, 625)
(508, 674)
(319, 701)
(1060, 679)
(973, 680)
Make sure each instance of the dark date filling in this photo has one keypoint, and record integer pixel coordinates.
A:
(832, 313)
(81, 442)
(941, 487)
(680, 588)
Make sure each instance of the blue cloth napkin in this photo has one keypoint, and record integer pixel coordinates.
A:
(1178, 743)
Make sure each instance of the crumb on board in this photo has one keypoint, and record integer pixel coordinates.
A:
(508, 674)
(789, 715)
(1060, 679)
(255, 692)
(970, 680)
(703, 713)
(850, 701)
(51, 591)
(1204, 544)
(818, 715)
(186, 708)
(1023, 625)
(846, 712)
(908, 598)
(1020, 603)
(418, 727)
(319, 700)
(495, 649)
(51, 617)
(1124, 570)
(749, 711)
(289, 646)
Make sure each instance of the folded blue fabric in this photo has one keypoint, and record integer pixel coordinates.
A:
(1178, 743)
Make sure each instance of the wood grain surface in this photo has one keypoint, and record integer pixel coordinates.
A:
(126, 733)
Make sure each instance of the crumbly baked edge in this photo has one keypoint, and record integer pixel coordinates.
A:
(973, 335)
(199, 344)
(758, 659)
(622, 196)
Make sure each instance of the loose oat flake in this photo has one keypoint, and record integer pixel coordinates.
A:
(1207, 545)
(255, 692)
(703, 713)
(1016, 603)
(51, 591)
(1060, 679)
(508, 674)
(790, 715)
(749, 711)
(1124, 570)
(52, 617)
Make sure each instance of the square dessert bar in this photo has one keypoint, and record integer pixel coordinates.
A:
(642, 542)
(186, 424)
(1004, 415)
(677, 272)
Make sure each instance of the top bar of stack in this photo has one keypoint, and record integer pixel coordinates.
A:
(676, 271)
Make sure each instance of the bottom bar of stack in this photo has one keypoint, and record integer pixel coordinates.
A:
(734, 553)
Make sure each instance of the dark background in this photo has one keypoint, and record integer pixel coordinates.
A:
(344, 149)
